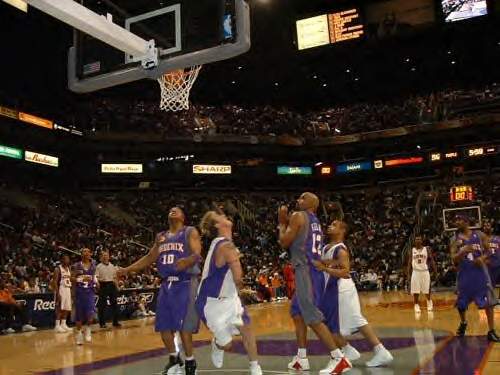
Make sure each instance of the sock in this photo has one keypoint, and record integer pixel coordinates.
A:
(347, 346)
(254, 364)
(336, 353)
(173, 354)
(378, 348)
(58, 323)
(190, 358)
(302, 353)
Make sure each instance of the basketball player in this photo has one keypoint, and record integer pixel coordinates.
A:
(177, 254)
(335, 264)
(473, 281)
(218, 302)
(494, 253)
(62, 294)
(418, 262)
(86, 282)
(301, 233)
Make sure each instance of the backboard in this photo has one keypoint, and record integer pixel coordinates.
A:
(186, 33)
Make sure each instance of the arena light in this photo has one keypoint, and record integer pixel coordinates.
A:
(19, 4)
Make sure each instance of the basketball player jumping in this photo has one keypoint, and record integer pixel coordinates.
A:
(62, 294)
(218, 302)
(177, 254)
(494, 253)
(340, 303)
(301, 233)
(473, 281)
(84, 276)
(418, 262)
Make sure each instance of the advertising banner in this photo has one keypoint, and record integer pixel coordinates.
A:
(40, 308)
(211, 169)
(38, 158)
(121, 168)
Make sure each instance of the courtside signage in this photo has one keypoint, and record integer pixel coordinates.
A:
(211, 169)
(11, 152)
(38, 158)
(121, 168)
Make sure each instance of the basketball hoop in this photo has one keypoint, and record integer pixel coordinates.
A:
(175, 88)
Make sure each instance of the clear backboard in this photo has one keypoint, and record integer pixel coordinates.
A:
(473, 213)
(185, 32)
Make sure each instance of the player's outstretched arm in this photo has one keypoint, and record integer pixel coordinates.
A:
(144, 262)
(195, 246)
(289, 231)
(231, 257)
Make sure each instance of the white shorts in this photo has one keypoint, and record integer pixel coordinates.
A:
(420, 282)
(65, 299)
(224, 316)
(350, 317)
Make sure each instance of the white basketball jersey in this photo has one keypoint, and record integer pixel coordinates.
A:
(65, 281)
(419, 259)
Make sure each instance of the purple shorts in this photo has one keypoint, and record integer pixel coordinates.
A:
(175, 310)
(84, 306)
(474, 287)
(329, 305)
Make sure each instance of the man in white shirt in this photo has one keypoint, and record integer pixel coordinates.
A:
(108, 288)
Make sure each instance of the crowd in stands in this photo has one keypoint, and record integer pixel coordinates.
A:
(114, 114)
(37, 226)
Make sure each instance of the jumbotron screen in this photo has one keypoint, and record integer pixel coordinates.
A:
(329, 28)
(457, 10)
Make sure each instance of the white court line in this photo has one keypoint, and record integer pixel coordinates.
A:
(231, 370)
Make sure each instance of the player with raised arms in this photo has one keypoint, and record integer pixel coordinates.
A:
(301, 233)
(340, 302)
(218, 301)
(419, 259)
(62, 293)
(468, 252)
(177, 253)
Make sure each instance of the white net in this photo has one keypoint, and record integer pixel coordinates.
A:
(175, 88)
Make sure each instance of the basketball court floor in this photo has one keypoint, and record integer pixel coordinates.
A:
(420, 345)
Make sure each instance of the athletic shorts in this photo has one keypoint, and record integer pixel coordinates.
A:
(420, 282)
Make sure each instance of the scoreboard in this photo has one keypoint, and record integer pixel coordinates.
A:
(329, 29)
(461, 193)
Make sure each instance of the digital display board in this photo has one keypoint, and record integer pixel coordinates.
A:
(11, 152)
(404, 161)
(457, 10)
(329, 28)
(36, 157)
(461, 193)
(121, 168)
(290, 170)
(354, 167)
(313, 32)
(481, 151)
(35, 120)
(435, 156)
(451, 155)
(211, 169)
(326, 171)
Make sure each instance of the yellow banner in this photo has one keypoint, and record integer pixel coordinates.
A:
(35, 120)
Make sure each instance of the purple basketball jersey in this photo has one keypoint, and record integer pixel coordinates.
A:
(173, 247)
(494, 251)
(84, 293)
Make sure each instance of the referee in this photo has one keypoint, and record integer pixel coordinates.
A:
(106, 275)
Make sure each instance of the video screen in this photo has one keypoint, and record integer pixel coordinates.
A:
(457, 10)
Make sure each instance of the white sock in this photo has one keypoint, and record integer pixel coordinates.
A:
(378, 348)
(58, 323)
(336, 353)
(254, 364)
(302, 353)
(173, 354)
(189, 358)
